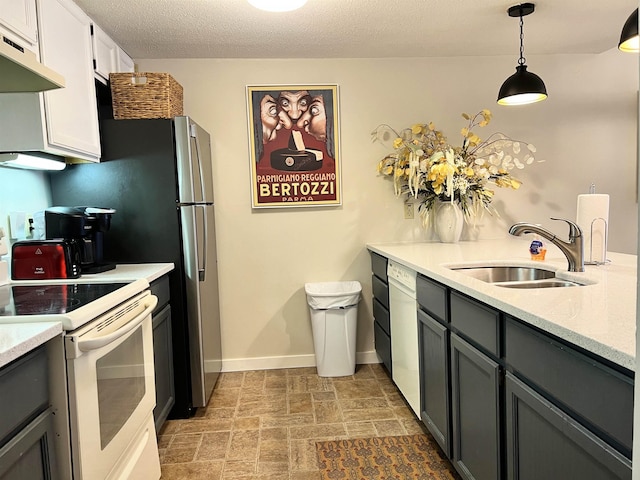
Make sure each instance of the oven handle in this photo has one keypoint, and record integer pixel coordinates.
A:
(95, 343)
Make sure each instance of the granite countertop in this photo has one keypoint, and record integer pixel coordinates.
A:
(599, 316)
(17, 339)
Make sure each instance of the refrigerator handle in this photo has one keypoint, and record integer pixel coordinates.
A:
(202, 268)
(194, 134)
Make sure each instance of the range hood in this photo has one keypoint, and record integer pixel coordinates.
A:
(21, 71)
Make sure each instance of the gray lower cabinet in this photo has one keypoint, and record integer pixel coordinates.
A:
(505, 400)
(475, 408)
(381, 317)
(29, 454)
(433, 340)
(544, 442)
(162, 352)
(26, 423)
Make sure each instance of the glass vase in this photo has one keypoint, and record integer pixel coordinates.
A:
(449, 221)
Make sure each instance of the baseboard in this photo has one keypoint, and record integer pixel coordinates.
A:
(289, 361)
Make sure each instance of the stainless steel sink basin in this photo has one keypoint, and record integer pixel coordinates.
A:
(547, 283)
(503, 273)
(512, 276)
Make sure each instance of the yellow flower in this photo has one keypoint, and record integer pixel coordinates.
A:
(427, 168)
(474, 139)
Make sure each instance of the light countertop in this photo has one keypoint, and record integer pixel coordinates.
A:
(17, 339)
(599, 316)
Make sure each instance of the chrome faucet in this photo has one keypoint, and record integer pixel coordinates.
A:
(573, 249)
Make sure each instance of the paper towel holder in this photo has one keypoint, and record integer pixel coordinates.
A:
(591, 261)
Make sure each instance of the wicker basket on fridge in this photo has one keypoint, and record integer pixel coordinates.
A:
(145, 95)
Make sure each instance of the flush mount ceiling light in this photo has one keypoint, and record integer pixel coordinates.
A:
(522, 87)
(277, 5)
(629, 36)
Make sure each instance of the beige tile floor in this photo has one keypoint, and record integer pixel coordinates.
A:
(264, 424)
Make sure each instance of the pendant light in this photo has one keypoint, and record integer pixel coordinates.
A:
(277, 5)
(629, 36)
(522, 87)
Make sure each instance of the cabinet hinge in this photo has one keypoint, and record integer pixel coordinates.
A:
(91, 27)
(94, 64)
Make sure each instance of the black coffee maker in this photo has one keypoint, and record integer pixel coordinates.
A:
(86, 226)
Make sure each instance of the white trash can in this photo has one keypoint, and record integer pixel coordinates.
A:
(334, 317)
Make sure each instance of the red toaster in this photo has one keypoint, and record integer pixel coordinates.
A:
(45, 260)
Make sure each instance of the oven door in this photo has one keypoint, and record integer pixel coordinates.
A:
(112, 390)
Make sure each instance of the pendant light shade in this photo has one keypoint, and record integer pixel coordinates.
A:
(629, 36)
(277, 5)
(522, 87)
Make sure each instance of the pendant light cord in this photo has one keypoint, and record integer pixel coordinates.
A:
(521, 60)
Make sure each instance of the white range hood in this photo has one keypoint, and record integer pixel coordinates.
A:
(21, 71)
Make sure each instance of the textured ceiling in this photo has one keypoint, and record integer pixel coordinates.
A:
(356, 28)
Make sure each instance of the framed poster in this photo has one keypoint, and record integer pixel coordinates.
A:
(294, 145)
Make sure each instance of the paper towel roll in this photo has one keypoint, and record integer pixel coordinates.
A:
(593, 219)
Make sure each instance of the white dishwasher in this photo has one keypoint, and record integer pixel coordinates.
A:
(404, 333)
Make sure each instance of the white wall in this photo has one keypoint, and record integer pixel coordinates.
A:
(586, 132)
(22, 191)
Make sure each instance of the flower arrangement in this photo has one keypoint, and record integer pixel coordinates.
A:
(425, 167)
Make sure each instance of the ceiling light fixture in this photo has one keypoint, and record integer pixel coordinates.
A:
(629, 36)
(522, 87)
(277, 5)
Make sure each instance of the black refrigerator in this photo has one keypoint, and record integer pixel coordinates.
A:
(157, 175)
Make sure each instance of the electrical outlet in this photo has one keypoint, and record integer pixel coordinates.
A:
(28, 226)
(408, 210)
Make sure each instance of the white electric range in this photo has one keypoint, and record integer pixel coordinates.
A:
(104, 421)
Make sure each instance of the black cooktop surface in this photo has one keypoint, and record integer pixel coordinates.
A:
(51, 299)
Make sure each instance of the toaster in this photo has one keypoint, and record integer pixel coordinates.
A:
(45, 259)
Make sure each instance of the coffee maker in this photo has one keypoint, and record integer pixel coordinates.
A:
(86, 227)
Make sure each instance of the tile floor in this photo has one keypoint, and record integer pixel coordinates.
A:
(264, 424)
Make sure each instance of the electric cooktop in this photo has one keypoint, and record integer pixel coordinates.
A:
(53, 299)
(73, 304)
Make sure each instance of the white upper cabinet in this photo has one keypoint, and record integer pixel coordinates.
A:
(108, 57)
(70, 113)
(18, 17)
(125, 62)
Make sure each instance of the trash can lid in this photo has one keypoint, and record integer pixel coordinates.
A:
(332, 289)
(332, 295)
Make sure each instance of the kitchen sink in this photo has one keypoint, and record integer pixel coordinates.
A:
(503, 273)
(545, 283)
(512, 276)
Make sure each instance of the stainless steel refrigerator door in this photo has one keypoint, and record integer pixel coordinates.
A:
(202, 299)
(193, 152)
